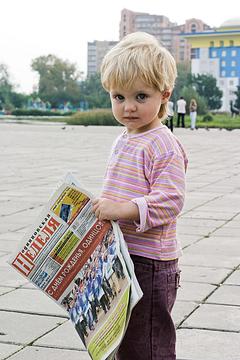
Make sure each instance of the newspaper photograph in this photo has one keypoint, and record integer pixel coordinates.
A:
(83, 264)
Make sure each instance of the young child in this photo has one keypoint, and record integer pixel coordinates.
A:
(144, 188)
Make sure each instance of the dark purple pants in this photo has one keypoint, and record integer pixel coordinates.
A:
(151, 332)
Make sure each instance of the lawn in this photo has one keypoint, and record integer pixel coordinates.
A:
(219, 121)
(223, 121)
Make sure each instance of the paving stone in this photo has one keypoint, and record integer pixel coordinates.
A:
(4, 261)
(198, 197)
(181, 310)
(202, 274)
(4, 290)
(207, 345)
(10, 277)
(233, 279)
(208, 223)
(209, 260)
(9, 236)
(228, 232)
(39, 353)
(194, 230)
(188, 239)
(29, 175)
(235, 223)
(217, 317)
(30, 301)
(9, 227)
(215, 246)
(223, 215)
(7, 350)
(65, 336)
(226, 294)
(29, 327)
(29, 285)
(9, 246)
(190, 291)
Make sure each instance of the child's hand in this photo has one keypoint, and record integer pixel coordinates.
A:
(105, 209)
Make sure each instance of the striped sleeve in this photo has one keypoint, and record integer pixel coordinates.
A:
(166, 197)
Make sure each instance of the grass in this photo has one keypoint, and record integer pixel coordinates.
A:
(222, 121)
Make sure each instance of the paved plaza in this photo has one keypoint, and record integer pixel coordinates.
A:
(207, 313)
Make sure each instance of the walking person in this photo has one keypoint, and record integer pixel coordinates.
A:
(144, 188)
(193, 113)
(181, 111)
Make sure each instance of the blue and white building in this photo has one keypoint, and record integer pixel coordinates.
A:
(217, 52)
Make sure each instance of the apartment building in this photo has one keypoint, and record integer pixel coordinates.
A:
(96, 51)
(166, 31)
(217, 53)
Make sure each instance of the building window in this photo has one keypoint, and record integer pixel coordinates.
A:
(233, 63)
(234, 53)
(231, 43)
(231, 82)
(223, 63)
(193, 28)
(214, 53)
(224, 53)
(221, 43)
(211, 43)
(195, 53)
(233, 73)
(223, 73)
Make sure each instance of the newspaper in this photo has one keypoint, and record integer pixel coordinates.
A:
(83, 264)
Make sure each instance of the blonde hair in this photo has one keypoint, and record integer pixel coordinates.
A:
(193, 102)
(139, 56)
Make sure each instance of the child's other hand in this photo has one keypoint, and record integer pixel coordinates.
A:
(105, 209)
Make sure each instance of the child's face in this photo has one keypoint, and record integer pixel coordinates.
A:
(137, 108)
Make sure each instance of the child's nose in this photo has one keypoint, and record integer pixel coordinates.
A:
(130, 106)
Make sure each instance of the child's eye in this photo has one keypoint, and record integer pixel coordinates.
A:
(118, 97)
(141, 97)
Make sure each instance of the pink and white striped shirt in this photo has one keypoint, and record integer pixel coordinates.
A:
(149, 169)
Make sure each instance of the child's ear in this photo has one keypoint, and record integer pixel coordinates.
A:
(166, 95)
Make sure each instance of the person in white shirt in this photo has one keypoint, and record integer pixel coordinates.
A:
(181, 111)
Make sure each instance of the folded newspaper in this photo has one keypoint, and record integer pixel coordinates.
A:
(83, 264)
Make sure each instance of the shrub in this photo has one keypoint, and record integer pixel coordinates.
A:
(93, 117)
(37, 112)
(208, 117)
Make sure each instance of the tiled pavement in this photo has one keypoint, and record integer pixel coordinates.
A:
(207, 313)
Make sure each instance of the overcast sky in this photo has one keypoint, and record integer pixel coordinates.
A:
(31, 28)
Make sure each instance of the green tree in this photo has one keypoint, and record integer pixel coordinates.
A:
(237, 101)
(18, 100)
(183, 79)
(58, 80)
(5, 87)
(93, 93)
(206, 86)
(188, 93)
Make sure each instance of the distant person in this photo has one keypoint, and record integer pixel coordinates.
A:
(170, 114)
(234, 110)
(144, 188)
(181, 111)
(193, 113)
